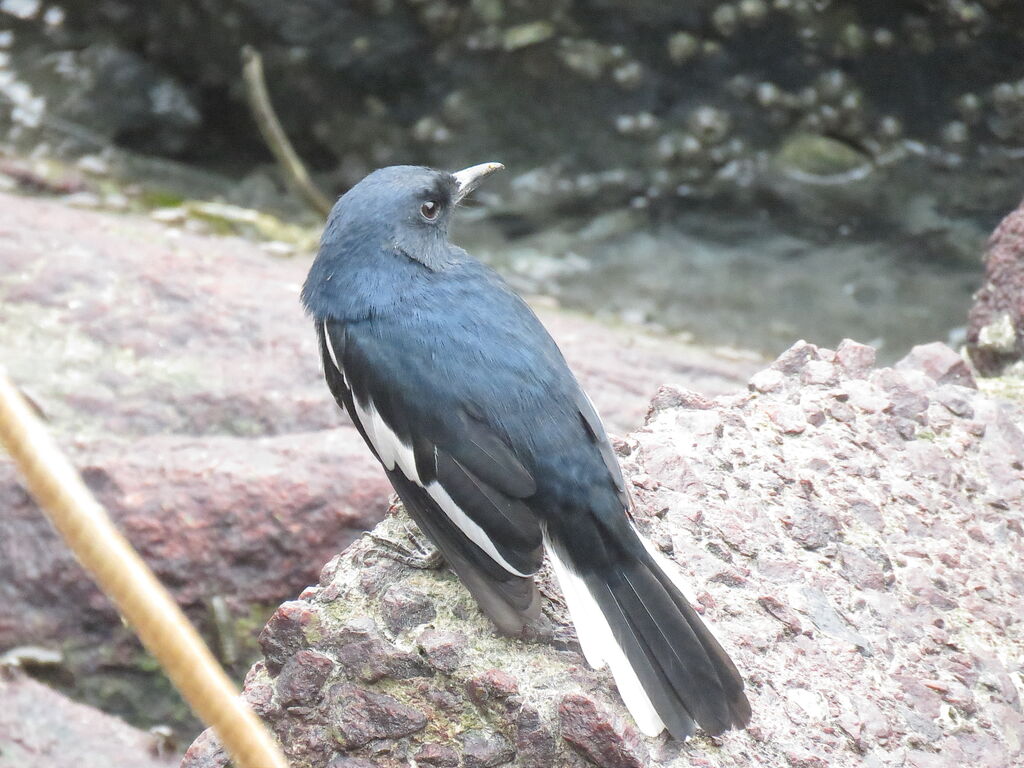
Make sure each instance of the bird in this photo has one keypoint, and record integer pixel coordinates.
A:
(494, 449)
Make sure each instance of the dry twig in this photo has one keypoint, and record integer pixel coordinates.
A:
(129, 582)
(263, 111)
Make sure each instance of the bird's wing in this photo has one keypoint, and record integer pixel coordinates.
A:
(595, 431)
(458, 478)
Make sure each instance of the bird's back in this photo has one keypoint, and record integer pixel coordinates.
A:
(466, 340)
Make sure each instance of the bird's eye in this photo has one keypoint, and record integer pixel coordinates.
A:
(430, 209)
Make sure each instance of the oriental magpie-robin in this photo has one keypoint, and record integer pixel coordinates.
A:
(495, 450)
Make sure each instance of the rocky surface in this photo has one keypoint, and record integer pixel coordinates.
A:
(231, 525)
(852, 533)
(178, 371)
(995, 334)
(41, 729)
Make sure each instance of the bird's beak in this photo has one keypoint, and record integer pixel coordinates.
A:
(469, 179)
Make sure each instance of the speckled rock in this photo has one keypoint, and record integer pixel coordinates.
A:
(995, 334)
(864, 572)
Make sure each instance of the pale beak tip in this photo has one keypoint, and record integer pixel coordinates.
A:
(468, 179)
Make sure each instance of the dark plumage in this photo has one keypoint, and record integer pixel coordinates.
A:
(493, 447)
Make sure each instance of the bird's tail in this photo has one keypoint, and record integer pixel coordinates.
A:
(630, 614)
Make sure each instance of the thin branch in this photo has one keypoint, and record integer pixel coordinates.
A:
(108, 556)
(263, 112)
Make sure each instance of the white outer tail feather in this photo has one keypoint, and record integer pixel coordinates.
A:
(599, 644)
(668, 567)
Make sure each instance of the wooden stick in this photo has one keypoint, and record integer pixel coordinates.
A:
(129, 582)
(263, 111)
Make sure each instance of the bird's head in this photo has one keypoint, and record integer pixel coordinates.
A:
(410, 206)
(403, 211)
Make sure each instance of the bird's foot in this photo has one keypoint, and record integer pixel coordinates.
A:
(420, 553)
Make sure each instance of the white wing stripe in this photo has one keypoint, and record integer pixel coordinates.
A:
(475, 533)
(599, 644)
(392, 451)
(330, 351)
(388, 445)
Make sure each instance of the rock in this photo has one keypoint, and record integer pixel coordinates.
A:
(444, 650)
(437, 755)
(865, 583)
(669, 397)
(203, 512)
(115, 93)
(389, 86)
(493, 686)
(856, 359)
(206, 752)
(302, 677)
(602, 740)
(39, 727)
(485, 749)
(368, 657)
(536, 746)
(361, 716)
(292, 628)
(181, 376)
(995, 329)
(766, 380)
(939, 362)
(405, 608)
(816, 159)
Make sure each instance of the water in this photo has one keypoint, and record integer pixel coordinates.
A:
(757, 276)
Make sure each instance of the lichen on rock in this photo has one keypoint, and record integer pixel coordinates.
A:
(853, 535)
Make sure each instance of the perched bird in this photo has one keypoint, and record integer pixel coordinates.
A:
(495, 450)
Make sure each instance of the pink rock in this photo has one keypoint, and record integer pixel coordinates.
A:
(939, 362)
(495, 684)
(485, 749)
(999, 305)
(767, 380)
(796, 357)
(789, 418)
(302, 677)
(862, 395)
(600, 739)
(443, 650)
(856, 359)
(818, 373)
(360, 715)
(39, 727)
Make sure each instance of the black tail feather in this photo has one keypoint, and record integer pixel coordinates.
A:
(684, 671)
(682, 658)
(728, 675)
(654, 681)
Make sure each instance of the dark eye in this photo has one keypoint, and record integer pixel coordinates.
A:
(430, 209)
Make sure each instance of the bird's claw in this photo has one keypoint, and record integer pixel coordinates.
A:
(422, 554)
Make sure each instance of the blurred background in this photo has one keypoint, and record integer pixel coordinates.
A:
(724, 177)
(745, 172)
